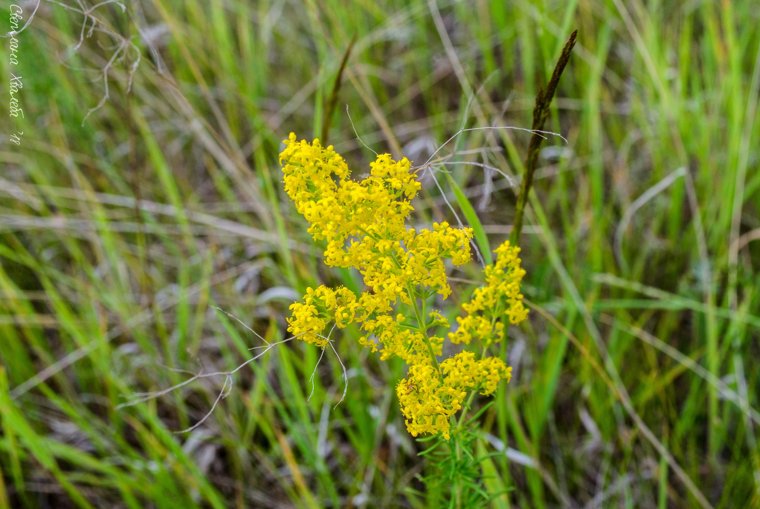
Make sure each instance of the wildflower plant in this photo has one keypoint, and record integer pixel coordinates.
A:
(363, 224)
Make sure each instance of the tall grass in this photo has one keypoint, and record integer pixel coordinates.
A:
(123, 231)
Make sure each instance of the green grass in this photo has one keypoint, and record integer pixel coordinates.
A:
(635, 382)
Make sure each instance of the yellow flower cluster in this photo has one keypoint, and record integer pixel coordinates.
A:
(429, 400)
(363, 226)
(500, 296)
(341, 210)
(319, 308)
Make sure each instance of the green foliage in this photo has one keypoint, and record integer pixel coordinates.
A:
(634, 379)
(455, 477)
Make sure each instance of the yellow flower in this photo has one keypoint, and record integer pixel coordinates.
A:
(362, 224)
(426, 402)
(429, 397)
(500, 298)
(319, 308)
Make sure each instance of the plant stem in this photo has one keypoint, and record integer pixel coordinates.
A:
(540, 113)
(333, 99)
(421, 323)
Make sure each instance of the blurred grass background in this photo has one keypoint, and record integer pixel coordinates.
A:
(146, 193)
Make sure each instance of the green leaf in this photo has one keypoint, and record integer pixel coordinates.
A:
(481, 239)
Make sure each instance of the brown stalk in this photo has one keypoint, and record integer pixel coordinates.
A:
(332, 101)
(540, 114)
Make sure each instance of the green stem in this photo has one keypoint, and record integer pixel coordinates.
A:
(468, 400)
(421, 324)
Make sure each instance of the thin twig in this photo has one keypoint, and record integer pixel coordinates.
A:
(345, 375)
(535, 132)
(238, 320)
(311, 378)
(226, 388)
(356, 133)
(147, 396)
(314, 372)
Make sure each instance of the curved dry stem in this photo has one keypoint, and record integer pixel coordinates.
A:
(226, 389)
(314, 372)
(147, 396)
(345, 376)
(474, 245)
(543, 134)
